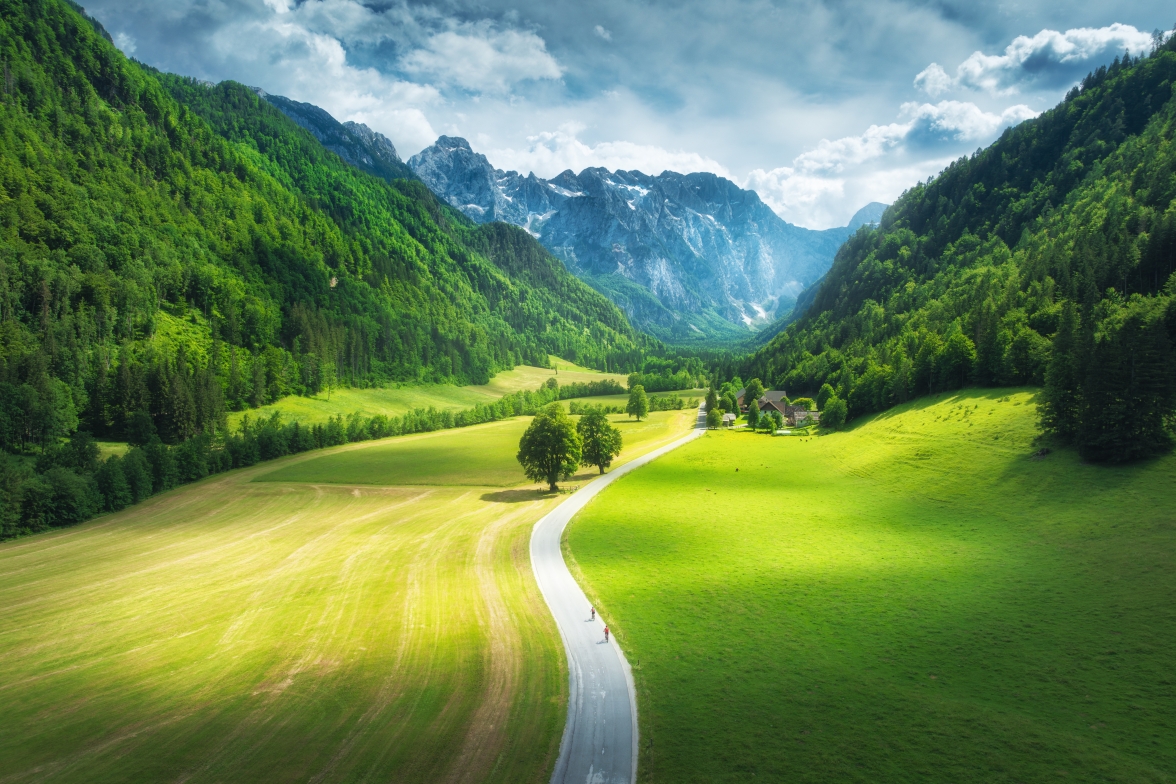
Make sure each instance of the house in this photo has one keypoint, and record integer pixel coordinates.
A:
(774, 399)
(799, 416)
(729, 420)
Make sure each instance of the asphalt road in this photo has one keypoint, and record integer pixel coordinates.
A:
(599, 743)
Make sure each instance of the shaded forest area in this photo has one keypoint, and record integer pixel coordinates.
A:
(1047, 258)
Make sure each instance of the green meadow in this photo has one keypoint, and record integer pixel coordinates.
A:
(364, 613)
(921, 598)
(397, 400)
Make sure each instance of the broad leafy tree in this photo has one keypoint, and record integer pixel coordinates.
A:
(833, 417)
(601, 441)
(550, 449)
(753, 415)
(638, 403)
(714, 418)
(755, 390)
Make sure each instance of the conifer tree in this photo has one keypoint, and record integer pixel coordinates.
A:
(1060, 398)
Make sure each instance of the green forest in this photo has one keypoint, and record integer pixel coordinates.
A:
(172, 250)
(1045, 259)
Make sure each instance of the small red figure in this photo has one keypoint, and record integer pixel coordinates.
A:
(594, 613)
(606, 634)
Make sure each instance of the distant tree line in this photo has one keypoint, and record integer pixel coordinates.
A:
(67, 482)
(605, 386)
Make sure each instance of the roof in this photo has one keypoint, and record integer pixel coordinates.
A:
(729, 417)
(774, 396)
(768, 405)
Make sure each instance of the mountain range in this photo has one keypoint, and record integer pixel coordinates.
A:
(687, 257)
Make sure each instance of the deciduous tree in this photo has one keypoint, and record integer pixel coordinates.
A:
(638, 403)
(601, 441)
(550, 449)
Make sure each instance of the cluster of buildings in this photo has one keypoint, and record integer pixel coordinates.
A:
(794, 416)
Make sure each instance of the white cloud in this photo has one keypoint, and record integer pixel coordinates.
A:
(481, 58)
(1049, 58)
(551, 152)
(605, 34)
(125, 43)
(279, 53)
(933, 80)
(825, 185)
(820, 202)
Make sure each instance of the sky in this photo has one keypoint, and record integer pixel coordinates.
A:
(821, 107)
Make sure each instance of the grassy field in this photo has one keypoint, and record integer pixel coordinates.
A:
(394, 401)
(314, 627)
(918, 599)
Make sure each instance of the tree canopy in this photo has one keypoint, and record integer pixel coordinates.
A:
(550, 449)
(638, 405)
(601, 441)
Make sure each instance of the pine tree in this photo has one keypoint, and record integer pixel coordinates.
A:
(1060, 398)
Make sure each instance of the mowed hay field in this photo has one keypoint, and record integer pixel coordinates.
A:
(315, 628)
(917, 599)
(394, 401)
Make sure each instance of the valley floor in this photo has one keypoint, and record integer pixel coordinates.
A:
(398, 400)
(917, 599)
(366, 613)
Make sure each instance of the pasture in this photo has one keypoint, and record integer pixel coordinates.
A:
(917, 599)
(397, 400)
(365, 613)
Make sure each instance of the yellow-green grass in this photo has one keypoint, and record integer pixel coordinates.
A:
(235, 630)
(109, 448)
(394, 401)
(483, 455)
(917, 599)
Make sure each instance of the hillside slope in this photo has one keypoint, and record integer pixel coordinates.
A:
(179, 259)
(171, 251)
(1046, 258)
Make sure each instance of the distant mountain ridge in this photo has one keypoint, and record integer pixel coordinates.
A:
(686, 256)
(354, 142)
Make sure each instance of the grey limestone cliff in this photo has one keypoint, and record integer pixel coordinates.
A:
(686, 256)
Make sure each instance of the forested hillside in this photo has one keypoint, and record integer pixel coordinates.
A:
(171, 250)
(1047, 258)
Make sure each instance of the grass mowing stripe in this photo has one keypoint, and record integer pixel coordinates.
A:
(276, 631)
(914, 600)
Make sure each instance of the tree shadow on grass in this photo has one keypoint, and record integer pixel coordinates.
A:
(515, 496)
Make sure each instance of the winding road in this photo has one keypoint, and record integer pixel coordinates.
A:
(599, 743)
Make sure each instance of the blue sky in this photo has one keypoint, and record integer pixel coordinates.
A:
(819, 106)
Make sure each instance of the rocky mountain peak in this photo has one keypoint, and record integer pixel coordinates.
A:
(686, 256)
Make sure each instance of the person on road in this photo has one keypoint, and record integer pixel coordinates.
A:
(594, 613)
(606, 634)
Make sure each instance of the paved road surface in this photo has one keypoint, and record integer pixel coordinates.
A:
(599, 743)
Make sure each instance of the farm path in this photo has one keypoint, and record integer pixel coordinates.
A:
(599, 742)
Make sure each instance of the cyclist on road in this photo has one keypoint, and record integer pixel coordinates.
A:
(606, 634)
(594, 613)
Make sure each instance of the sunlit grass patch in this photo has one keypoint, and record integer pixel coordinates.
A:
(916, 599)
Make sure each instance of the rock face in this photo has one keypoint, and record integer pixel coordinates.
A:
(354, 142)
(686, 256)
